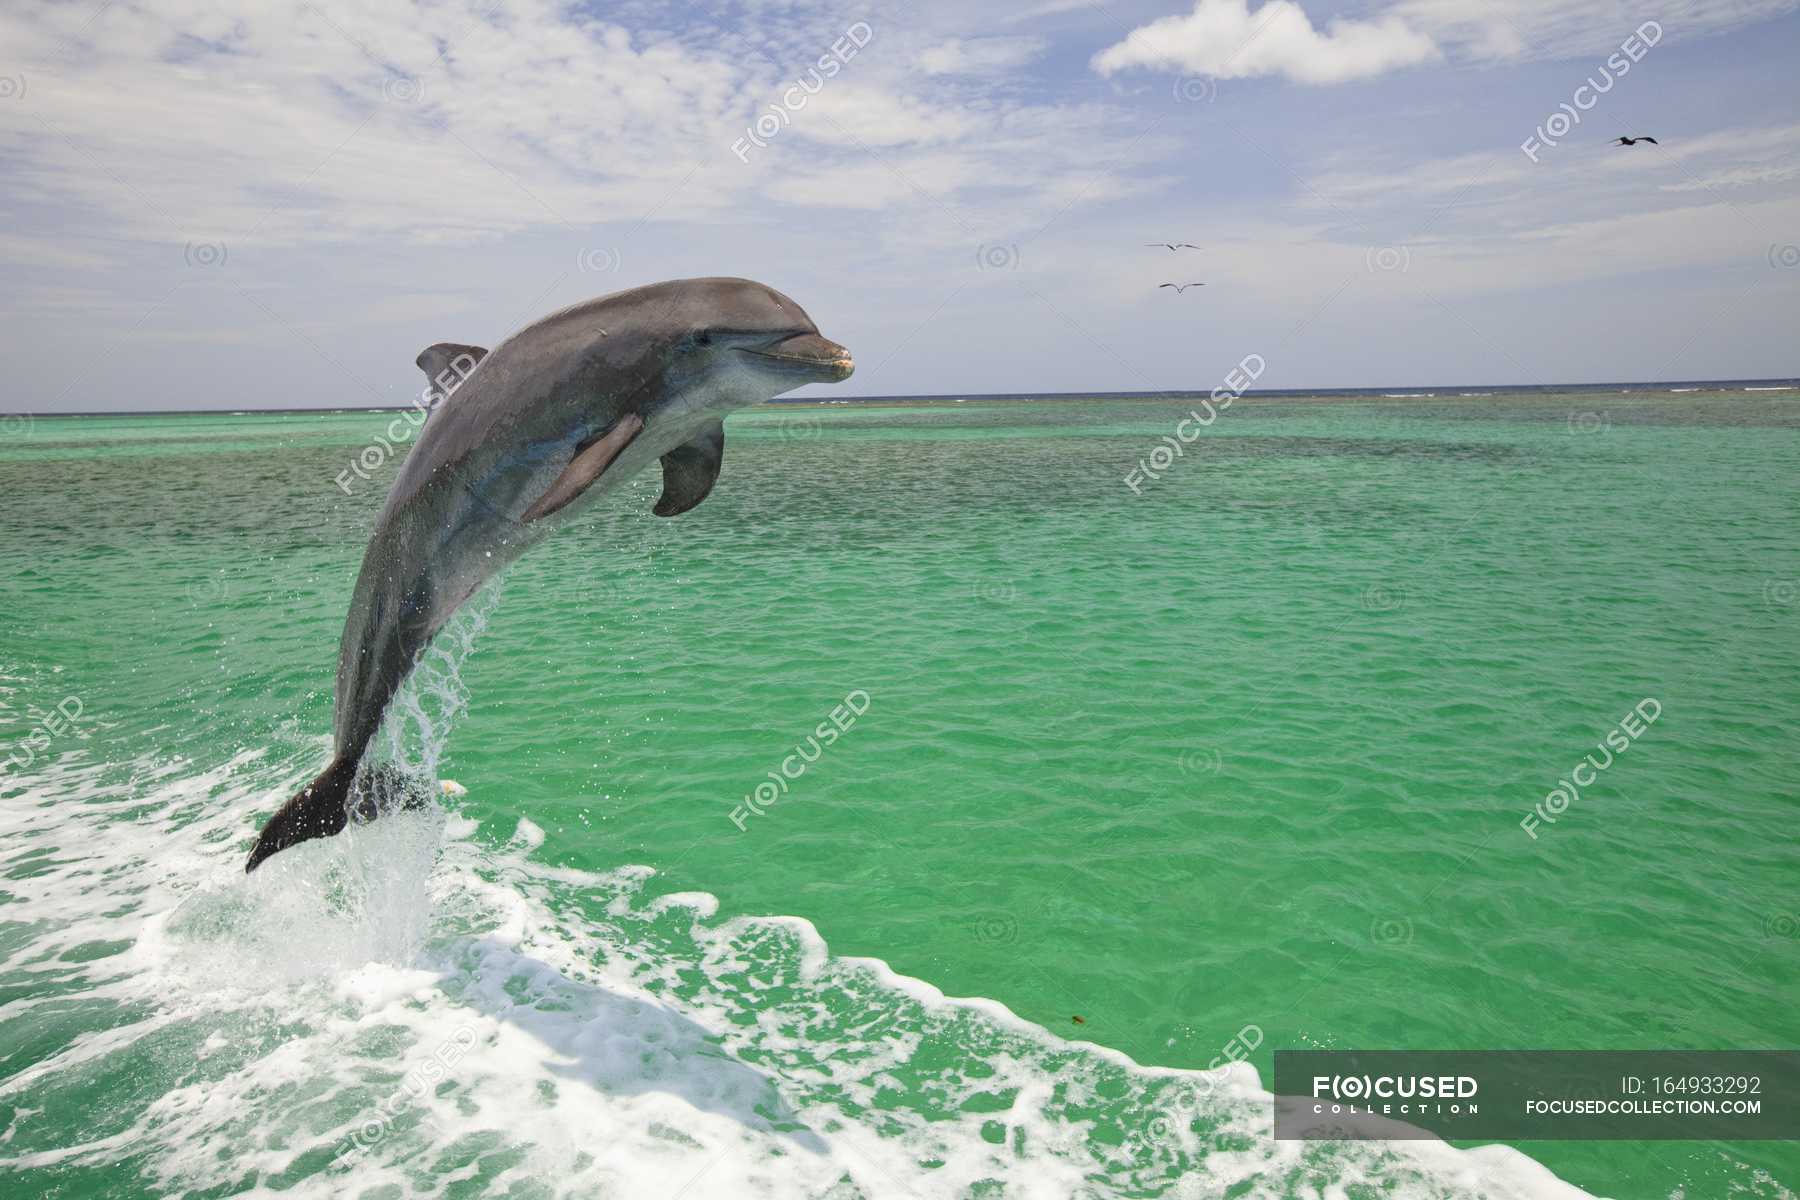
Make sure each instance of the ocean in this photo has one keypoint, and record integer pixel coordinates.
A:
(1149, 753)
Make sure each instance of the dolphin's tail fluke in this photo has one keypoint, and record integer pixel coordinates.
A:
(320, 810)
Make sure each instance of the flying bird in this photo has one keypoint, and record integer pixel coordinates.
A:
(1174, 245)
(1180, 287)
(1632, 141)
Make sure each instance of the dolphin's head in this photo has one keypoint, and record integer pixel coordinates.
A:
(740, 343)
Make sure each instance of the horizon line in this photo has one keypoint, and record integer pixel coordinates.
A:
(1408, 391)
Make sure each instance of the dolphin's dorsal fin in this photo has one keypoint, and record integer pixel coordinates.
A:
(690, 470)
(434, 360)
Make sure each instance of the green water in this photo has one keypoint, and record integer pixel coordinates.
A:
(1250, 747)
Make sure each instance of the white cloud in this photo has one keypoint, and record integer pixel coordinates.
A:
(968, 56)
(1044, 8)
(1740, 177)
(39, 252)
(874, 116)
(443, 123)
(1224, 39)
(1027, 165)
(414, 306)
(872, 185)
(291, 123)
(1506, 30)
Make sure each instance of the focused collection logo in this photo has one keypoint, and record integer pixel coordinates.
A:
(1377, 1094)
(1529, 1095)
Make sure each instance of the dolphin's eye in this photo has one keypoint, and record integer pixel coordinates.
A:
(704, 338)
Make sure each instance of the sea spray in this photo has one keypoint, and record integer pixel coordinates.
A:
(360, 897)
(433, 697)
(387, 863)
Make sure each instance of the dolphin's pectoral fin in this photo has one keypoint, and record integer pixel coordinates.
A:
(433, 360)
(590, 461)
(690, 470)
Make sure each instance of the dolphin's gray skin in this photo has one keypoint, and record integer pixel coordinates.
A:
(558, 413)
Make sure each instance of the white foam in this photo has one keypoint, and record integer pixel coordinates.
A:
(528, 834)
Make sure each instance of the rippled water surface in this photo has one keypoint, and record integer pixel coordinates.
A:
(1248, 747)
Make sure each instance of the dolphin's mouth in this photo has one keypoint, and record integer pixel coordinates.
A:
(810, 352)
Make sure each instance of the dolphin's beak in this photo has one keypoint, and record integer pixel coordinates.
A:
(817, 356)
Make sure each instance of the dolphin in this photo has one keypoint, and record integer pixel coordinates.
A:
(516, 442)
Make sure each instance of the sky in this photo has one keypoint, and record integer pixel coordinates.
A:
(210, 205)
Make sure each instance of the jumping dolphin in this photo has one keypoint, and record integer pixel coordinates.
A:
(563, 410)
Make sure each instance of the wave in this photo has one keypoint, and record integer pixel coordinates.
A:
(423, 1002)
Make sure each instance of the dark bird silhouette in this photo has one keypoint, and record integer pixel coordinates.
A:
(1632, 141)
(1180, 287)
(1174, 245)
